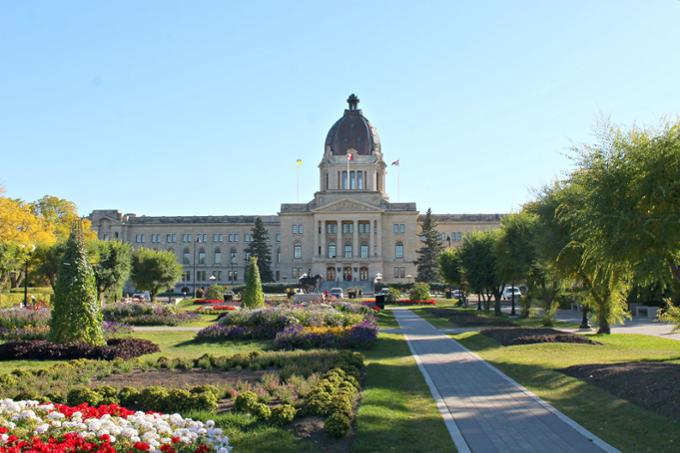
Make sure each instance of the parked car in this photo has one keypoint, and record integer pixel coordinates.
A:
(337, 293)
(141, 297)
(508, 291)
(383, 292)
(457, 294)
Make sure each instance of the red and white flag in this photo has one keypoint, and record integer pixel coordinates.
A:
(396, 162)
(350, 156)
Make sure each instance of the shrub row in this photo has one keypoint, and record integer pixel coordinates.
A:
(154, 398)
(124, 348)
(279, 415)
(334, 397)
(145, 314)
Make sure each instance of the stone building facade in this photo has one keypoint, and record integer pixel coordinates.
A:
(350, 233)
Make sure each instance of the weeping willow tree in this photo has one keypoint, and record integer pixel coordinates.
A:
(76, 315)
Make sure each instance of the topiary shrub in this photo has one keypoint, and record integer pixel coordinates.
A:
(338, 424)
(253, 296)
(283, 415)
(76, 316)
(420, 291)
(393, 294)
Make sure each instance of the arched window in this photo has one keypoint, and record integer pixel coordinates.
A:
(330, 274)
(201, 256)
(348, 250)
(363, 274)
(399, 250)
(297, 250)
(186, 256)
(232, 256)
(218, 256)
(363, 250)
(347, 273)
(331, 250)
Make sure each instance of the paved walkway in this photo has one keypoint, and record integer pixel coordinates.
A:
(636, 325)
(484, 410)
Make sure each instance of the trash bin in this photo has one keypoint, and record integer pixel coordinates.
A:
(380, 301)
(229, 297)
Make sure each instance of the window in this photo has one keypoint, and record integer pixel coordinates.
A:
(170, 238)
(232, 256)
(297, 272)
(278, 255)
(156, 238)
(201, 256)
(399, 250)
(218, 237)
(344, 180)
(201, 238)
(218, 275)
(186, 256)
(330, 274)
(327, 187)
(232, 276)
(218, 256)
(364, 227)
(297, 250)
(348, 249)
(186, 238)
(332, 228)
(363, 274)
(347, 228)
(352, 180)
(363, 250)
(399, 272)
(331, 249)
(200, 276)
(247, 237)
(139, 238)
(399, 228)
(246, 256)
(186, 276)
(360, 180)
(297, 228)
(456, 236)
(278, 237)
(347, 273)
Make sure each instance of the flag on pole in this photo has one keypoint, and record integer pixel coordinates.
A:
(396, 162)
(350, 156)
(298, 162)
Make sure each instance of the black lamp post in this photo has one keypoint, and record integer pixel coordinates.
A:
(512, 297)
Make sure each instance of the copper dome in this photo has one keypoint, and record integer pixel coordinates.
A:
(353, 131)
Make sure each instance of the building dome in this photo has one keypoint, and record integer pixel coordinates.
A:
(353, 131)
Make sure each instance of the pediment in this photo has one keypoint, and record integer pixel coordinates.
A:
(347, 205)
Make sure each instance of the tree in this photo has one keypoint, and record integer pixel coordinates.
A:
(153, 270)
(479, 267)
(46, 261)
(253, 296)
(428, 266)
(59, 214)
(76, 316)
(259, 247)
(514, 252)
(112, 268)
(450, 267)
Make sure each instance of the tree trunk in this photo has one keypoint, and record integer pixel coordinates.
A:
(479, 302)
(604, 327)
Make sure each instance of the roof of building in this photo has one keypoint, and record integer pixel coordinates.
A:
(233, 219)
(464, 217)
(353, 131)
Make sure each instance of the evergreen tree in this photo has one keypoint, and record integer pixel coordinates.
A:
(76, 316)
(259, 247)
(253, 296)
(428, 255)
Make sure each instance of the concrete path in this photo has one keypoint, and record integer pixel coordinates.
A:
(165, 329)
(484, 410)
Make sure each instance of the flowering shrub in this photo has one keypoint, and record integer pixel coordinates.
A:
(358, 336)
(145, 314)
(124, 348)
(35, 427)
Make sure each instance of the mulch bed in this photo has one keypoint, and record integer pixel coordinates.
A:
(651, 385)
(522, 335)
(123, 348)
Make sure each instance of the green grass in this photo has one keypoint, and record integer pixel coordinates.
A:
(397, 412)
(619, 422)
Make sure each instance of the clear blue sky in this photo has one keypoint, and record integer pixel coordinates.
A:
(165, 108)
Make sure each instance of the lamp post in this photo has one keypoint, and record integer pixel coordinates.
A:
(28, 259)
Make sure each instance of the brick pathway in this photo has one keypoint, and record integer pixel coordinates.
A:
(485, 410)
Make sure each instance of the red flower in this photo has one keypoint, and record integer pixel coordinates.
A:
(143, 446)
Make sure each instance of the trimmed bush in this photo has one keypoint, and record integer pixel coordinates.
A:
(283, 415)
(420, 291)
(124, 348)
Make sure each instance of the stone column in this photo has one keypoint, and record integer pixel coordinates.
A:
(379, 237)
(316, 237)
(371, 242)
(355, 238)
(323, 238)
(339, 246)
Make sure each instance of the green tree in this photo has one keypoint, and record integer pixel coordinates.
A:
(514, 252)
(153, 270)
(450, 267)
(46, 262)
(479, 267)
(76, 315)
(253, 296)
(215, 292)
(260, 248)
(427, 262)
(112, 268)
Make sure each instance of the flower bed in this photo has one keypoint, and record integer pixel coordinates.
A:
(32, 426)
(145, 314)
(25, 324)
(207, 301)
(215, 308)
(414, 302)
(124, 348)
(359, 336)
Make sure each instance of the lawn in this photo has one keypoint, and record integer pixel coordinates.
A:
(619, 422)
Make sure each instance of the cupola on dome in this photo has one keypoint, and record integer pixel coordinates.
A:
(353, 131)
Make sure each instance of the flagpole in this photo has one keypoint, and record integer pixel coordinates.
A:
(298, 164)
(399, 182)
